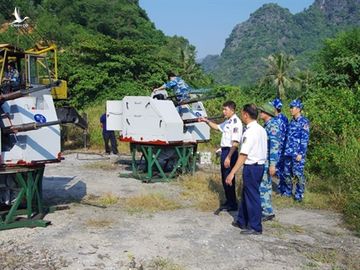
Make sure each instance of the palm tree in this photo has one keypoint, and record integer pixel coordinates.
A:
(279, 72)
(189, 69)
(187, 61)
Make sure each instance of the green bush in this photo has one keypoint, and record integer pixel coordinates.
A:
(95, 130)
(334, 149)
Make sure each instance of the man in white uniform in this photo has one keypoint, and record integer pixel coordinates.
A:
(253, 154)
(231, 130)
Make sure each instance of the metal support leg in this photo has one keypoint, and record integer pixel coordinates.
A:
(194, 156)
(186, 160)
(133, 158)
(30, 192)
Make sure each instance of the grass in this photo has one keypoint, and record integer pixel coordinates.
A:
(332, 258)
(95, 131)
(150, 203)
(160, 263)
(99, 223)
(323, 256)
(106, 165)
(202, 190)
(314, 198)
(311, 201)
(280, 229)
(104, 200)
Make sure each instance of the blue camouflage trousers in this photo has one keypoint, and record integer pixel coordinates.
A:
(265, 192)
(182, 94)
(294, 169)
(280, 175)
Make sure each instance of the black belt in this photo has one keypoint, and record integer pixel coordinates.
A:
(254, 164)
(225, 148)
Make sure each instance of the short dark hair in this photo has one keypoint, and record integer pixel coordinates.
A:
(231, 104)
(171, 74)
(278, 110)
(252, 110)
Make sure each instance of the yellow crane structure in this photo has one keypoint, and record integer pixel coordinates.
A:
(33, 65)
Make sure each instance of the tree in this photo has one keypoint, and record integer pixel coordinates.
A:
(339, 60)
(181, 55)
(107, 48)
(279, 72)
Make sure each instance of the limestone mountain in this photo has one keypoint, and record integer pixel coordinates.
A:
(273, 29)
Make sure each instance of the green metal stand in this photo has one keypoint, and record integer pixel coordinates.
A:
(185, 161)
(27, 209)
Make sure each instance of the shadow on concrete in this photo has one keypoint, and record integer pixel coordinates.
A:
(63, 190)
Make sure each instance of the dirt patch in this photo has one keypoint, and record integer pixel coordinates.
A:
(87, 236)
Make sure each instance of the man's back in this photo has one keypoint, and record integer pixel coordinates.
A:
(254, 143)
(103, 122)
(179, 87)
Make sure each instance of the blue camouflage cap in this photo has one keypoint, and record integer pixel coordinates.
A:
(277, 103)
(296, 103)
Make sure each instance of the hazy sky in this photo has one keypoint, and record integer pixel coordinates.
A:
(207, 23)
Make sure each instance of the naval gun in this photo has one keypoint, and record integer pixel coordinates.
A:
(29, 133)
(166, 132)
(73, 119)
(25, 111)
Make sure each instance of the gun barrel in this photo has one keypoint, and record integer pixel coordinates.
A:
(28, 127)
(196, 120)
(65, 115)
(193, 100)
(191, 121)
(24, 92)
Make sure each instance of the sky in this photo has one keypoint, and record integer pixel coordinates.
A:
(207, 23)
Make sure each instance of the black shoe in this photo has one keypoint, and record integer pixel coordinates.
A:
(268, 218)
(224, 204)
(237, 225)
(222, 207)
(250, 231)
(225, 207)
(231, 208)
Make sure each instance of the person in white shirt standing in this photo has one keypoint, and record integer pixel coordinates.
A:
(231, 130)
(253, 154)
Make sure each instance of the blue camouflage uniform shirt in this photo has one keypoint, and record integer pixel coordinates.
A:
(179, 87)
(273, 132)
(283, 126)
(297, 137)
(12, 75)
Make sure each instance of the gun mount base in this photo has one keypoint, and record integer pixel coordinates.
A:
(161, 162)
(25, 204)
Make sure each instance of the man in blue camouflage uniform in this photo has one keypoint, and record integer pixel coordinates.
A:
(271, 125)
(295, 151)
(180, 88)
(283, 124)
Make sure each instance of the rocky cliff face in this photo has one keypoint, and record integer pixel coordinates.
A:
(274, 29)
(339, 11)
(270, 18)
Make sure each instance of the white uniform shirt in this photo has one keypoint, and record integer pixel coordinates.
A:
(254, 144)
(231, 131)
